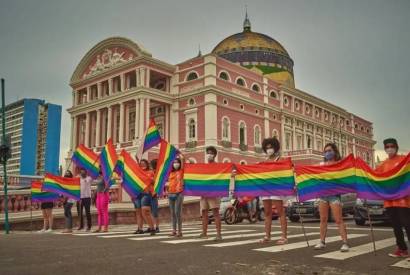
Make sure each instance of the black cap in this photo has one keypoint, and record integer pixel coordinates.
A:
(390, 141)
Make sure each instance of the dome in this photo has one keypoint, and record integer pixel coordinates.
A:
(258, 52)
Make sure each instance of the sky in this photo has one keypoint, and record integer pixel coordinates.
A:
(352, 53)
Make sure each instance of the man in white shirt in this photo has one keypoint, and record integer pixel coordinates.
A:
(85, 202)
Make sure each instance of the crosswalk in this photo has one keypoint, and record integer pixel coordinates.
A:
(249, 237)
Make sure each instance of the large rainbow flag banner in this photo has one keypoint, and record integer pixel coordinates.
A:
(39, 196)
(265, 179)
(389, 185)
(87, 159)
(207, 180)
(318, 181)
(167, 155)
(108, 160)
(151, 138)
(134, 179)
(67, 187)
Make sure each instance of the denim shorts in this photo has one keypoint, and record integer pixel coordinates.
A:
(331, 199)
(154, 206)
(143, 199)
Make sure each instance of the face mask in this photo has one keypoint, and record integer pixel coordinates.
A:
(176, 166)
(210, 156)
(390, 151)
(329, 155)
(270, 151)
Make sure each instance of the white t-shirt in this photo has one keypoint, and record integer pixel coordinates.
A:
(85, 185)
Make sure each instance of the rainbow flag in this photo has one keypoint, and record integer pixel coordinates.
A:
(108, 160)
(265, 179)
(389, 185)
(319, 181)
(151, 138)
(134, 179)
(167, 155)
(67, 187)
(87, 159)
(207, 180)
(39, 196)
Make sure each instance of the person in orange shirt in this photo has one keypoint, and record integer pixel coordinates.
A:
(175, 187)
(398, 210)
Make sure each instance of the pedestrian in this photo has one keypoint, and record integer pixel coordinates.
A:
(154, 201)
(68, 204)
(210, 203)
(85, 201)
(271, 147)
(398, 210)
(143, 203)
(331, 156)
(102, 200)
(175, 187)
(47, 211)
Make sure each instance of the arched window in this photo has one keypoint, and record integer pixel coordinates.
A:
(224, 76)
(240, 81)
(226, 160)
(242, 162)
(191, 102)
(242, 133)
(257, 135)
(273, 94)
(255, 87)
(192, 130)
(192, 76)
(192, 160)
(226, 135)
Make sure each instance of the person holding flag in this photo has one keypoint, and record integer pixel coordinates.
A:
(85, 199)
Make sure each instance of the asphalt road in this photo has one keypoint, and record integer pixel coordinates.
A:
(239, 252)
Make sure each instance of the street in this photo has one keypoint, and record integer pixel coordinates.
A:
(121, 252)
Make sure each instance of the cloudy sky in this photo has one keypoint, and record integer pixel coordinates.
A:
(352, 53)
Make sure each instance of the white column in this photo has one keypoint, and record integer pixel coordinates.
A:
(304, 136)
(122, 82)
(109, 122)
(148, 77)
(282, 131)
(88, 93)
(167, 121)
(87, 130)
(110, 84)
(314, 138)
(294, 143)
(141, 117)
(211, 121)
(137, 116)
(99, 90)
(98, 129)
(121, 126)
(73, 138)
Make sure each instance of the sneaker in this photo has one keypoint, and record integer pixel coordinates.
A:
(399, 253)
(152, 232)
(49, 230)
(218, 238)
(320, 245)
(139, 231)
(202, 236)
(80, 228)
(344, 248)
(41, 231)
(157, 230)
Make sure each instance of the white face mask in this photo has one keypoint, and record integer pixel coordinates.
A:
(176, 166)
(270, 151)
(210, 157)
(390, 151)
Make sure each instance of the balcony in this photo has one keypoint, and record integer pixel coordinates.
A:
(191, 144)
(226, 144)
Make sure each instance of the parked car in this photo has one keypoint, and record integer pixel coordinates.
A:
(373, 207)
(310, 208)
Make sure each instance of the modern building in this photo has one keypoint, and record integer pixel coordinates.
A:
(232, 98)
(33, 132)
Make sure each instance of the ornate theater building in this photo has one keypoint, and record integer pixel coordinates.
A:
(232, 98)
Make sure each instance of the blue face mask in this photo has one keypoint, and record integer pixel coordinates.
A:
(329, 155)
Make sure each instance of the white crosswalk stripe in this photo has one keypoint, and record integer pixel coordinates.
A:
(403, 264)
(226, 244)
(188, 235)
(358, 250)
(163, 232)
(210, 239)
(303, 244)
(127, 232)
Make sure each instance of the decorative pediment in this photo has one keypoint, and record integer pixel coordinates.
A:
(106, 55)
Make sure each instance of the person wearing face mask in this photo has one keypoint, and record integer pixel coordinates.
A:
(85, 202)
(68, 204)
(175, 187)
(210, 203)
(331, 156)
(154, 201)
(271, 147)
(398, 210)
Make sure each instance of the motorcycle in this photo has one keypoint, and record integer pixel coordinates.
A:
(239, 211)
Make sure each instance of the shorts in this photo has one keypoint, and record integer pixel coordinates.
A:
(142, 200)
(209, 203)
(154, 206)
(47, 205)
(331, 199)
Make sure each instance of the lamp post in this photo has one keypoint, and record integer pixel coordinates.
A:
(4, 156)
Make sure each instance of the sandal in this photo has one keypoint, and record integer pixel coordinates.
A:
(282, 241)
(179, 235)
(173, 234)
(265, 240)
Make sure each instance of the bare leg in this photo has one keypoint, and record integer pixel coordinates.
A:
(138, 216)
(146, 213)
(45, 219)
(215, 212)
(337, 214)
(282, 217)
(324, 215)
(204, 221)
(267, 208)
(50, 218)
